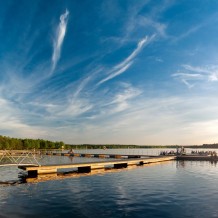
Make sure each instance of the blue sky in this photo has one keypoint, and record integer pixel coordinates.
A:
(112, 71)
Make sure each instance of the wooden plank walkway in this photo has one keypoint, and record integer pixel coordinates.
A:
(33, 171)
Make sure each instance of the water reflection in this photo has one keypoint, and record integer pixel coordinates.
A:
(63, 174)
(156, 190)
(183, 163)
(75, 174)
(180, 164)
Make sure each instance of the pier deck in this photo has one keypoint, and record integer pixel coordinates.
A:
(33, 171)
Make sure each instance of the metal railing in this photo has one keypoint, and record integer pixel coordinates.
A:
(18, 157)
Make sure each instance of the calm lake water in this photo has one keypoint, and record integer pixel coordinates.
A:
(170, 189)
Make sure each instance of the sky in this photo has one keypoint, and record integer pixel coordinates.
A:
(110, 72)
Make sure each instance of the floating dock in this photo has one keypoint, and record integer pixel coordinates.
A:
(34, 171)
(125, 160)
(119, 156)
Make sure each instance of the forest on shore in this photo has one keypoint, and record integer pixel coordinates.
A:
(21, 144)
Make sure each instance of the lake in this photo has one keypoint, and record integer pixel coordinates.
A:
(169, 189)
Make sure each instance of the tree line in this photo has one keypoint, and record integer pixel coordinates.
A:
(19, 144)
(215, 145)
(117, 146)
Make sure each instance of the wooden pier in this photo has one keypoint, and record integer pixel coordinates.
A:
(33, 171)
(111, 161)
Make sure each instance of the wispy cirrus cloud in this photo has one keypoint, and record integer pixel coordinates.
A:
(59, 38)
(122, 99)
(140, 45)
(189, 75)
(129, 116)
(187, 33)
(137, 23)
(115, 73)
(195, 28)
(125, 64)
(12, 121)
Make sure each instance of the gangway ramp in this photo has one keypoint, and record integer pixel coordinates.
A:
(18, 157)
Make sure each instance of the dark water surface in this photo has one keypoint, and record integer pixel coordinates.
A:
(170, 189)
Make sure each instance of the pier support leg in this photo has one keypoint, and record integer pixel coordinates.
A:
(84, 169)
(32, 173)
(119, 166)
(141, 163)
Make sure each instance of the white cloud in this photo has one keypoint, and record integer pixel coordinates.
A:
(161, 120)
(193, 74)
(122, 100)
(124, 65)
(67, 110)
(193, 29)
(59, 38)
(140, 45)
(115, 73)
(187, 83)
(11, 122)
(159, 59)
(121, 116)
(213, 77)
(159, 28)
(75, 108)
(188, 33)
(199, 69)
(81, 86)
(188, 76)
(143, 23)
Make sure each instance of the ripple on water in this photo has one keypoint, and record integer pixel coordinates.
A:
(162, 190)
(9, 173)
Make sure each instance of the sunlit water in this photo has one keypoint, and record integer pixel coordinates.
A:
(148, 151)
(170, 189)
